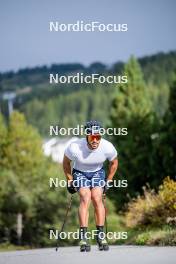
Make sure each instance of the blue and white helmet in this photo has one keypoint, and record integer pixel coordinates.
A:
(92, 127)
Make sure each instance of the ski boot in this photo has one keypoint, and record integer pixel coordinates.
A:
(103, 244)
(101, 239)
(84, 246)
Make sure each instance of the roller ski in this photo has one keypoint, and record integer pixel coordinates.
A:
(84, 246)
(103, 245)
(101, 239)
(83, 243)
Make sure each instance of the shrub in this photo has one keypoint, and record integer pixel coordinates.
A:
(153, 208)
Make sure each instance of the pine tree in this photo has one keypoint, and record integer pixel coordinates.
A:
(131, 108)
(167, 138)
(131, 98)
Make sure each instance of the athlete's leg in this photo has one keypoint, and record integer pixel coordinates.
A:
(96, 196)
(85, 198)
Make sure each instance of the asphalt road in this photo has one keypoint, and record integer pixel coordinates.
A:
(71, 255)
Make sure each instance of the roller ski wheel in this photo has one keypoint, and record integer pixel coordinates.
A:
(84, 246)
(103, 245)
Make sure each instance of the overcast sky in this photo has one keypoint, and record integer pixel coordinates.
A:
(25, 40)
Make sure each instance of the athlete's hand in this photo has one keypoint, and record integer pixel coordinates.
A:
(70, 188)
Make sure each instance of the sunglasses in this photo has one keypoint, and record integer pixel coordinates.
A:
(92, 137)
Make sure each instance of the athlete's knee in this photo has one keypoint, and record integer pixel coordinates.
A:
(85, 197)
(97, 199)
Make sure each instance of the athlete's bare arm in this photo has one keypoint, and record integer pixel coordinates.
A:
(67, 168)
(113, 165)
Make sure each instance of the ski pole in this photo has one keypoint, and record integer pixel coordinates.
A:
(65, 219)
(104, 203)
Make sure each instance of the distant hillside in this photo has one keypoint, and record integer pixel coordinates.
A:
(157, 68)
(68, 104)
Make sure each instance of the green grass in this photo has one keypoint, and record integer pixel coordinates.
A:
(165, 236)
(9, 247)
(150, 236)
